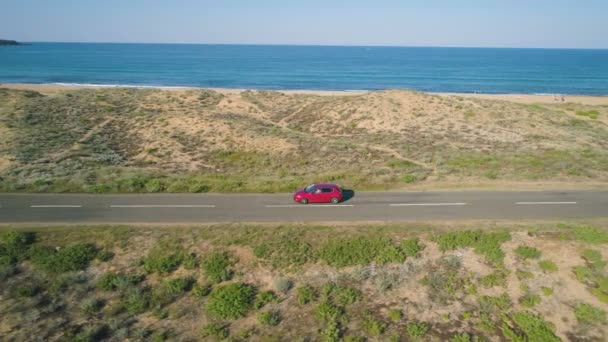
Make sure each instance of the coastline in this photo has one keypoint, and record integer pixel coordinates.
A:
(53, 88)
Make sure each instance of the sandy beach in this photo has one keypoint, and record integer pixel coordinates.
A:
(519, 98)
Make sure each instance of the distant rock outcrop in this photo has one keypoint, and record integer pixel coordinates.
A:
(9, 42)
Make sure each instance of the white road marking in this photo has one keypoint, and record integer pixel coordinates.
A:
(545, 202)
(308, 206)
(422, 204)
(162, 206)
(55, 206)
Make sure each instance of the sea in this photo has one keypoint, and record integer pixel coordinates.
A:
(287, 67)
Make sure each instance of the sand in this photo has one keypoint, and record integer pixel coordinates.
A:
(519, 98)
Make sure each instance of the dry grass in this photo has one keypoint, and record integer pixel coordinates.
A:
(118, 140)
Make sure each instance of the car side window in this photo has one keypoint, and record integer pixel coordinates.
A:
(326, 190)
(316, 191)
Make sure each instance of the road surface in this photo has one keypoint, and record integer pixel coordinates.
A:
(366, 206)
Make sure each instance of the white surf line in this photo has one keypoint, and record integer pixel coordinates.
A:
(308, 206)
(55, 206)
(532, 203)
(162, 206)
(424, 204)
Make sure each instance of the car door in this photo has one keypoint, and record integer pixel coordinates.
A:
(326, 194)
(316, 196)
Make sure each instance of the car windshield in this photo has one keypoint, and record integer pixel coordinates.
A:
(310, 188)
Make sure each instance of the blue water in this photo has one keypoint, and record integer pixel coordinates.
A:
(550, 71)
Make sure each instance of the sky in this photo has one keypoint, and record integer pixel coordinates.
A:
(469, 23)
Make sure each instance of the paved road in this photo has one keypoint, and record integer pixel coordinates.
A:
(368, 206)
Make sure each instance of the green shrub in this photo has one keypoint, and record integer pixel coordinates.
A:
(395, 315)
(410, 179)
(136, 300)
(270, 318)
(417, 330)
(464, 337)
(526, 326)
(90, 333)
(155, 185)
(498, 303)
(373, 327)
(216, 330)
(201, 291)
(231, 301)
(70, 258)
(217, 266)
(14, 247)
(104, 255)
(340, 295)
(190, 261)
(162, 260)
(327, 312)
(198, 188)
(283, 284)
(589, 314)
(332, 332)
(179, 285)
(90, 305)
(26, 290)
(111, 281)
(530, 300)
(360, 251)
(484, 243)
(412, 248)
(306, 294)
(547, 266)
(263, 298)
(526, 252)
(547, 291)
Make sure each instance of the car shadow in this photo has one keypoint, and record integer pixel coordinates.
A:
(347, 194)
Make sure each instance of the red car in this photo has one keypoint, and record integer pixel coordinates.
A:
(319, 193)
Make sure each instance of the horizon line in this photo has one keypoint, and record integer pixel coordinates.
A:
(317, 45)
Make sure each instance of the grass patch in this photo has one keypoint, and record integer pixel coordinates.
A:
(163, 259)
(74, 257)
(526, 252)
(530, 300)
(395, 315)
(526, 326)
(417, 330)
(547, 266)
(215, 330)
(306, 294)
(360, 251)
(584, 233)
(284, 251)
(588, 314)
(592, 114)
(412, 247)
(270, 318)
(373, 327)
(263, 298)
(487, 244)
(497, 278)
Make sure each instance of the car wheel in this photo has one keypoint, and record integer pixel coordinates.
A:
(304, 201)
(334, 200)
